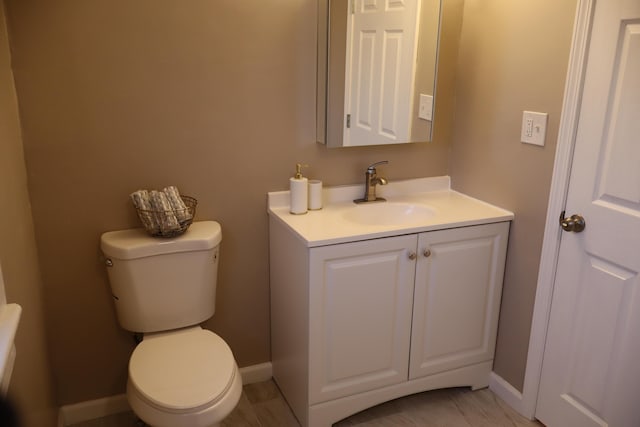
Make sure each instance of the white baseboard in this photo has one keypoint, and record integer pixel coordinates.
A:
(509, 394)
(92, 409)
(98, 408)
(256, 373)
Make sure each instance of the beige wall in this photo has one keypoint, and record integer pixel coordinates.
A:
(216, 97)
(513, 57)
(425, 72)
(336, 69)
(31, 384)
(449, 43)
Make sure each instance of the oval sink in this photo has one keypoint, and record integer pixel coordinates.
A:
(388, 213)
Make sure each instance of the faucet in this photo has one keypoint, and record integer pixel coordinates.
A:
(370, 184)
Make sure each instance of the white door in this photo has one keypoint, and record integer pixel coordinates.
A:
(360, 301)
(591, 367)
(381, 50)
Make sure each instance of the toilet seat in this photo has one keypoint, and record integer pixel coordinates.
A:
(182, 371)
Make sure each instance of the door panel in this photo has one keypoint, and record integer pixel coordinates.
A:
(360, 316)
(590, 374)
(619, 181)
(457, 297)
(381, 51)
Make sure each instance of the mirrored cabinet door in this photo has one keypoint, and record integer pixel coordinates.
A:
(376, 71)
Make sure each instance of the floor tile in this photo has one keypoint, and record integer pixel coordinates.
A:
(262, 405)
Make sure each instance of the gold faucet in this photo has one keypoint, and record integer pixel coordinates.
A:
(372, 179)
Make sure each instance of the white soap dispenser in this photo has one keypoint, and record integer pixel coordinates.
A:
(298, 189)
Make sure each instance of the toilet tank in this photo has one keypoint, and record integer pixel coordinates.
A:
(161, 284)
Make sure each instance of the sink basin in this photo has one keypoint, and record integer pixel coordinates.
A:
(388, 213)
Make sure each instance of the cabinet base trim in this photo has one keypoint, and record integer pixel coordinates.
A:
(326, 413)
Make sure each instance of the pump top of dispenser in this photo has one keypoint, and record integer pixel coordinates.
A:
(299, 167)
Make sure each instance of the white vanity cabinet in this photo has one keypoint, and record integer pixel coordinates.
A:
(359, 323)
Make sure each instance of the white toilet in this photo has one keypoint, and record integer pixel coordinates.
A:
(180, 375)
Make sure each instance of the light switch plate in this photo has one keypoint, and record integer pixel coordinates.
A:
(534, 128)
(425, 111)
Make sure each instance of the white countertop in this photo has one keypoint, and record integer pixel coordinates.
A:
(330, 225)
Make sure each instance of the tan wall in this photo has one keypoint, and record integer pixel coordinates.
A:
(31, 383)
(336, 69)
(216, 97)
(425, 72)
(513, 57)
(219, 99)
(449, 42)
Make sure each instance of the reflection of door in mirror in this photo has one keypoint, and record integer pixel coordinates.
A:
(381, 57)
(381, 47)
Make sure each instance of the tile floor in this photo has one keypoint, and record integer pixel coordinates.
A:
(262, 405)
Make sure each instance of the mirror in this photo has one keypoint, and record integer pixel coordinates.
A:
(376, 71)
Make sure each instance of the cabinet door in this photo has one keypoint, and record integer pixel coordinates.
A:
(457, 297)
(360, 316)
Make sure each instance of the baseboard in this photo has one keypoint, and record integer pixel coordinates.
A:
(509, 394)
(92, 409)
(98, 408)
(256, 373)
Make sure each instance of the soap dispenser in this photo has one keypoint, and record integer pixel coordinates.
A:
(298, 189)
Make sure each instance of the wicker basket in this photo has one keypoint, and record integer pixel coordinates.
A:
(169, 223)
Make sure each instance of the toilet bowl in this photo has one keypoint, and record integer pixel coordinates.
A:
(183, 378)
(180, 375)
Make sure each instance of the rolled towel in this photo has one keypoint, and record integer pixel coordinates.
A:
(164, 213)
(142, 201)
(177, 204)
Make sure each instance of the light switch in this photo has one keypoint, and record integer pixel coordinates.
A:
(426, 107)
(534, 128)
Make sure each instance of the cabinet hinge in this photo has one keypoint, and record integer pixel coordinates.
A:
(348, 121)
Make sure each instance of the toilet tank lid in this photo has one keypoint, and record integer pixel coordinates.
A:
(136, 243)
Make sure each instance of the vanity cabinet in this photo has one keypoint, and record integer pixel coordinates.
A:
(356, 324)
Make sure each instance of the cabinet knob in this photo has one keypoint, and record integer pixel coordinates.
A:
(426, 253)
(412, 256)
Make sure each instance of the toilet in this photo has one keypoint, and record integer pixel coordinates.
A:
(179, 374)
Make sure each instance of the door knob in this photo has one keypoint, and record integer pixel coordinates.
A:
(573, 223)
(426, 253)
(412, 256)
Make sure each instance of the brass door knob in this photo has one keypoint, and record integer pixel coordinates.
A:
(575, 223)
